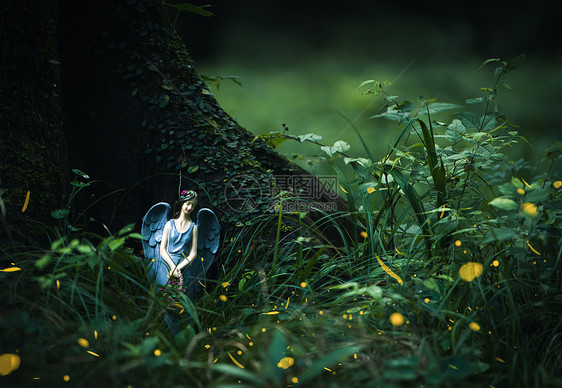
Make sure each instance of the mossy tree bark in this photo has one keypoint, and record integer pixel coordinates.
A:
(137, 115)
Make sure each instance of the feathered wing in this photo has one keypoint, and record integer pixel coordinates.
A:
(208, 240)
(152, 227)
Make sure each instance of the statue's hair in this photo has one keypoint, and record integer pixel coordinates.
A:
(176, 210)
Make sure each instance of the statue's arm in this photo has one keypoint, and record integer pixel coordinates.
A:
(193, 252)
(164, 247)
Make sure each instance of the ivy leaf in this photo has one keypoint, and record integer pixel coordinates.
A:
(164, 99)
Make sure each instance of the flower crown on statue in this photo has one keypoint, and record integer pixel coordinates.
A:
(186, 195)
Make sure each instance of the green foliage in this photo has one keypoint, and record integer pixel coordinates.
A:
(449, 275)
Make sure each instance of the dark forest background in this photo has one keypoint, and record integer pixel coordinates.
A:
(300, 62)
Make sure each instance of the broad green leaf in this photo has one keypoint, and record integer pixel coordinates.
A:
(117, 243)
(517, 183)
(515, 62)
(469, 120)
(192, 169)
(81, 173)
(79, 184)
(367, 163)
(365, 83)
(436, 107)
(500, 234)
(489, 123)
(398, 113)
(537, 195)
(475, 100)
(454, 130)
(309, 137)
(504, 203)
(432, 284)
(339, 146)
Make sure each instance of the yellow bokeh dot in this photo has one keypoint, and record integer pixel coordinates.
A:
(157, 352)
(295, 380)
(9, 362)
(361, 313)
(496, 263)
(223, 298)
(371, 190)
(396, 319)
(426, 300)
(557, 184)
(225, 284)
(344, 316)
(83, 342)
(474, 326)
(286, 362)
(251, 343)
(321, 312)
(263, 329)
(363, 234)
(207, 346)
(521, 191)
(66, 378)
(239, 352)
(303, 284)
(458, 243)
(470, 271)
(529, 208)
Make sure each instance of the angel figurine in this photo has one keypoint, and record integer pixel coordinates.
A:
(180, 249)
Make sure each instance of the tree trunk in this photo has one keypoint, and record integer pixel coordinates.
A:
(139, 120)
(32, 145)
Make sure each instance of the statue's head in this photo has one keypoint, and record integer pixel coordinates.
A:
(188, 196)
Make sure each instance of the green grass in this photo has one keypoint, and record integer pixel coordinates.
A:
(391, 307)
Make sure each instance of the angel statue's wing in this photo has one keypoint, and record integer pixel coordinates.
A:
(151, 230)
(208, 240)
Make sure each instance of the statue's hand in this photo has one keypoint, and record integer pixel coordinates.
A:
(176, 273)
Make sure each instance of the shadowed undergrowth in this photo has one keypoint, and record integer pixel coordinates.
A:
(450, 275)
